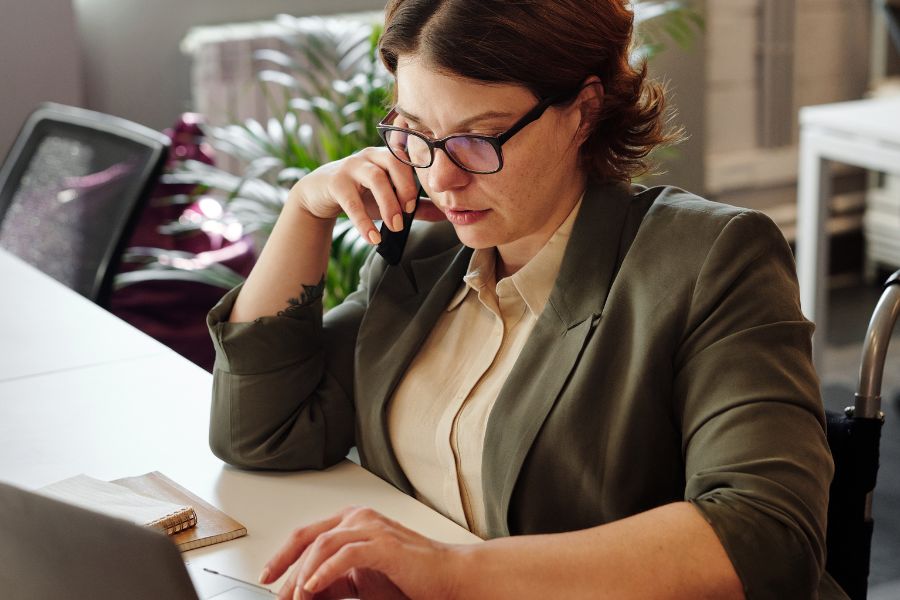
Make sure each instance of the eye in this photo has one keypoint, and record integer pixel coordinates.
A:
(489, 128)
(489, 132)
(411, 125)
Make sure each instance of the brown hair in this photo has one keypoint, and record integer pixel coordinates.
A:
(551, 47)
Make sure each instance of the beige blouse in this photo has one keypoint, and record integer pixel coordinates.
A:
(439, 413)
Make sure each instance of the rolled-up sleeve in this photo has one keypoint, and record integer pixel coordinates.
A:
(283, 385)
(757, 462)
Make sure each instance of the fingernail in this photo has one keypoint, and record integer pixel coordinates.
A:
(311, 584)
(374, 237)
(410, 206)
(264, 576)
(397, 222)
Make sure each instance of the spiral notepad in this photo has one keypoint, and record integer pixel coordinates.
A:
(213, 525)
(155, 501)
(119, 501)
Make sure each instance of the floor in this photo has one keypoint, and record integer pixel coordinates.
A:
(849, 312)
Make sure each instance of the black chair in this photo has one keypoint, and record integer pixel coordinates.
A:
(70, 192)
(854, 438)
(891, 10)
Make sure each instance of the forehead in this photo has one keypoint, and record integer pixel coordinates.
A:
(426, 91)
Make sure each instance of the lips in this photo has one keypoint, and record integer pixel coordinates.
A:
(460, 216)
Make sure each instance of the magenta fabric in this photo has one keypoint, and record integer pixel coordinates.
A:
(174, 312)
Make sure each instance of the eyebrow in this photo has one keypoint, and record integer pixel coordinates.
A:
(485, 116)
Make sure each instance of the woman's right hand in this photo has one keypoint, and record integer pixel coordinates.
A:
(368, 185)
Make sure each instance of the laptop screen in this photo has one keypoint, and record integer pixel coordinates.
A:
(49, 549)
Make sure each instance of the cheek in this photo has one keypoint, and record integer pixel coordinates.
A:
(520, 200)
(528, 178)
(509, 190)
(546, 156)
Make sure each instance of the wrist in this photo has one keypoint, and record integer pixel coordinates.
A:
(466, 565)
(300, 213)
(299, 202)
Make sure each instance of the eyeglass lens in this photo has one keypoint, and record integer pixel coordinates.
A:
(470, 152)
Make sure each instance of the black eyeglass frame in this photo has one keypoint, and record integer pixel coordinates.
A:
(496, 141)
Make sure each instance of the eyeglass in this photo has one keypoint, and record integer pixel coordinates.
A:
(479, 154)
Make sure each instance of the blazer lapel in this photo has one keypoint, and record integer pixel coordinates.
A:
(411, 298)
(573, 310)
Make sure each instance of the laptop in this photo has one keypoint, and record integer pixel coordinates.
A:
(49, 549)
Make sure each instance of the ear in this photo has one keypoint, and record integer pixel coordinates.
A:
(590, 105)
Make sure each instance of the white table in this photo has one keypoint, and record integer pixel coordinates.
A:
(115, 414)
(45, 327)
(864, 133)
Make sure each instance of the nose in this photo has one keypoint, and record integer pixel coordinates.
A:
(444, 175)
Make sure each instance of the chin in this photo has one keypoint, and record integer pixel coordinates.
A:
(478, 240)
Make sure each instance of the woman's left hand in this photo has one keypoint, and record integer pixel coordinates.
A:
(362, 554)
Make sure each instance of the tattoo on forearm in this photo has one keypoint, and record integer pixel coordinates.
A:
(310, 294)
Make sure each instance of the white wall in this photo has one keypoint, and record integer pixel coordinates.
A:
(39, 61)
(683, 71)
(133, 65)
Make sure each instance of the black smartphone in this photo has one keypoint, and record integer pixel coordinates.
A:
(393, 242)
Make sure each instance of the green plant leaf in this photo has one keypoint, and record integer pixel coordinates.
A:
(279, 78)
(123, 280)
(276, 57)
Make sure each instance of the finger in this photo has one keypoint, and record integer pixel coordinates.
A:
(348, 196)
(374, 178)
(358, 555)
(286, 591)
(292, 588)
(326, 545)
(289, 586)
(402, 177)
(427, 211)
(294, 548)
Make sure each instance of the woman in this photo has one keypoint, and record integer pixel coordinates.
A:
(612, 384)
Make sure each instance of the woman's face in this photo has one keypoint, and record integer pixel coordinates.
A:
(518, 208)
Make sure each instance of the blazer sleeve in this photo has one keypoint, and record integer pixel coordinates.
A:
(757, 462)
(283, 385)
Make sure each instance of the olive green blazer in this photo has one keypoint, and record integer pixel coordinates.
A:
(671, 362)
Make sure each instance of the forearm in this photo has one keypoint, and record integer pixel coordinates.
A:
(667, 552)
(296, 255)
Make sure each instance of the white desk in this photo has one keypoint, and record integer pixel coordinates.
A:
(46, 327)
(864, 133)
(127, 415)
